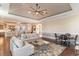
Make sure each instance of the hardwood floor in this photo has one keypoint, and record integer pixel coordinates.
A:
(5, 50)
(4, 47)
(68, 52)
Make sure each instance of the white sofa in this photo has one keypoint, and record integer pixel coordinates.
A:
(49, 35)
(30, 36)
(25, 50)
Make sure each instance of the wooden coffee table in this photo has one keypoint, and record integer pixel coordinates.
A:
(40, 42)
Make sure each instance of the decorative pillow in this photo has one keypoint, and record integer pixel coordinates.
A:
(26, 43)
(14, 45)
(18, 43)
(23, 36)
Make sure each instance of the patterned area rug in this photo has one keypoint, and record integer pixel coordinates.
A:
(49, 50)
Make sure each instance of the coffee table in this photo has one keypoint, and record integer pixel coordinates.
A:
(40, 42)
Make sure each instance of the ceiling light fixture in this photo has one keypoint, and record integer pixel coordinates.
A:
(37, 10)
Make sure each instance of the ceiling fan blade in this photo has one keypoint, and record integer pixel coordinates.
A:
(32, 8)
(44, 10)
(41, 13)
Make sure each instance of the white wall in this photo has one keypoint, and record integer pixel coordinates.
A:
(66, 22)
(70, 24)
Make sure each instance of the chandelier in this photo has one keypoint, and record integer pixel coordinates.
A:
(37, 10)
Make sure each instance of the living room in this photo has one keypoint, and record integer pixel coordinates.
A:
(43, 29)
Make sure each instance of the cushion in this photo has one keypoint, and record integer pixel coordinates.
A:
(18, 43)
(26, 43)
(23, 36)
(15, 46)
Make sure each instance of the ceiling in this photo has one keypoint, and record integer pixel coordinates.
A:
(21, 9)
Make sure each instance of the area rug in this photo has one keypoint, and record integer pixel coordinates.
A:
(51, 50)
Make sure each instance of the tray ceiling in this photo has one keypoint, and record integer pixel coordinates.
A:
(21, 9)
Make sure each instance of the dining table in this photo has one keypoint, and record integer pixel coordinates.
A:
(65, 40)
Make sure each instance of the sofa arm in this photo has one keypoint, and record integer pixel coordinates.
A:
(24, 51)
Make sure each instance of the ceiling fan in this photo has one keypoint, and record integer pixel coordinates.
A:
(37, 10)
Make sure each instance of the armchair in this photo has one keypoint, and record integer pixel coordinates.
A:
(26, 50)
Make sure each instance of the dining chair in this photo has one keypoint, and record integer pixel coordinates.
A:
(68, 36)
(64, 40)
(57, 38)
(73, 40)
(61, 37)
(76, 46)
